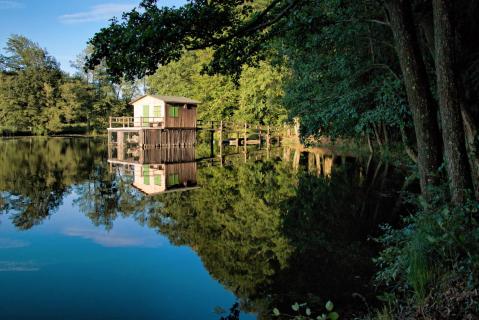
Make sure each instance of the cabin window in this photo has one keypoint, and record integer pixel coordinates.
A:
(173, 111)
(173, 179)
(158, 180)
(146, 174)
(156, 111)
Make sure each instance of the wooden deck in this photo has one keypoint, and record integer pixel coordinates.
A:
(152, 132)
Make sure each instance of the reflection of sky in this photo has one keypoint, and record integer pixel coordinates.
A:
(67, 268)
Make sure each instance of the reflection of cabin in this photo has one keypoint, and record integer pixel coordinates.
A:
(158, 121)
(156, 171)
(159, 178)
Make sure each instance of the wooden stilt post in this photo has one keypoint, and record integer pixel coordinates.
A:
(260, 136)
(221, 142)
(268, 138)
(245, 142)
(141, 138)
(212, 138)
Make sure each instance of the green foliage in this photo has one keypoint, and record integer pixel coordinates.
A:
(433, 255)
(303, 312)
(343, 70)
(36, 97)
(257, 99)
(217, 94)
(261, 93)
(151, 36)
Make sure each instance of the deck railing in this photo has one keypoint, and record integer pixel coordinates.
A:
(136, 122)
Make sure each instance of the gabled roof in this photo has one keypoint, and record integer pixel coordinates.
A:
(170, 99)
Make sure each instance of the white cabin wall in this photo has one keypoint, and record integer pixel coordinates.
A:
(151, 102)
(151, 188)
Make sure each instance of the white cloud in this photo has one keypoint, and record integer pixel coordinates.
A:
(109, 239)
(102, 12)
(5, 5)
(6, 243)
(15, 266)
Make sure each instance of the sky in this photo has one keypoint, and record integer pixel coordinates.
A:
(63, 27)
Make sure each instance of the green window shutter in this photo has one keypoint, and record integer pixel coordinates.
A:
(146, 114)
(173, 111)
(156, 111)
(173, 179)
(158, 180)
(146, 174)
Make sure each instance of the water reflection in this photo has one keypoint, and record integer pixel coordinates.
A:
(155, 171)
(274, 227)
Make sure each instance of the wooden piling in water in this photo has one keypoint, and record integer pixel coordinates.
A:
(245, 142)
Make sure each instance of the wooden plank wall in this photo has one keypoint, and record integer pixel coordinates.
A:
(168, 137)
(186, 117)
(186, 172)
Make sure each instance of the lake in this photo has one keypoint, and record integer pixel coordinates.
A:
(92, 232)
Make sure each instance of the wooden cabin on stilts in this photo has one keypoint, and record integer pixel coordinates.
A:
(158, 121)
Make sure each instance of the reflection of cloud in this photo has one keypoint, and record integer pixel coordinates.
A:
(6, 243)
(109, 239)
(102, 12)
(6, 5)
(15, 266)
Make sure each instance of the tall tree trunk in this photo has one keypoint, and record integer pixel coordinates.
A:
(370, 145)
(449, 92)
(409, 151)
(471, 132)
(378, 137)
(467, 50)
(386, 135)
(417, 88)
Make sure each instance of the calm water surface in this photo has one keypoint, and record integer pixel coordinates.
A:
(92, 233)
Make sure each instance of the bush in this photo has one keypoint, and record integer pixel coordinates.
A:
(431, 265)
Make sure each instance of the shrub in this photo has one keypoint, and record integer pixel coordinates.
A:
(431, 265)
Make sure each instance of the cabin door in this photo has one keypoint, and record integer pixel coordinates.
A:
(146, 115)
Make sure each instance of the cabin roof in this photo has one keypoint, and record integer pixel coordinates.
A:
(171, 99)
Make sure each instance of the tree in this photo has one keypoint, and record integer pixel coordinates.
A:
(217, 93)
(153, 36)
(29, 85)
(417, 87)
(261, 94)
(448, 88)
(245, 35)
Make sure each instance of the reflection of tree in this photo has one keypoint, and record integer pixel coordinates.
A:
(247, 221)
(270, 234)
(233, 222)
(329, 223)
(107, 195)
(36, 173)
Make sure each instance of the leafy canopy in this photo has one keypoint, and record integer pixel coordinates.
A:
(151, 36)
